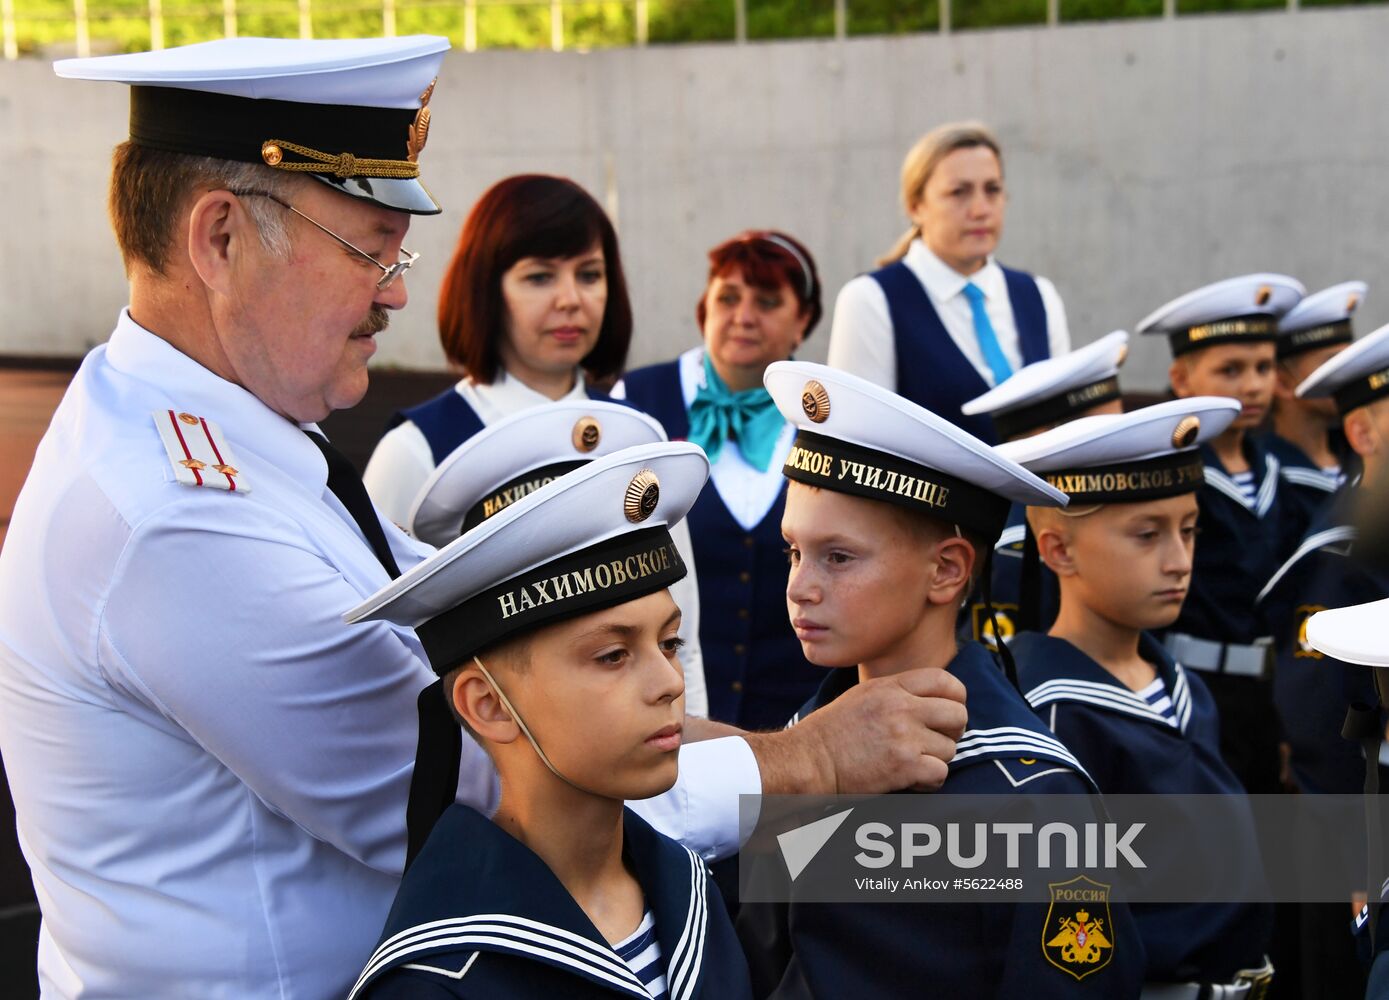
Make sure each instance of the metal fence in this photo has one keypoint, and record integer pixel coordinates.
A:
(463, 17)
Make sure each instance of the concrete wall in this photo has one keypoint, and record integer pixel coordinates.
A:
(1144, 158)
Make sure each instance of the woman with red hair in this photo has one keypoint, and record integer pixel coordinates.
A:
(533, 310)
(762, 299)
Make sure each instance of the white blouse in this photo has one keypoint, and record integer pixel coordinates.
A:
(861, 338)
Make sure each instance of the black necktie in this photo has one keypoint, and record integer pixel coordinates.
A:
(347, 487)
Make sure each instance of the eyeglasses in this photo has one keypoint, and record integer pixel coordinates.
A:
(388, 274)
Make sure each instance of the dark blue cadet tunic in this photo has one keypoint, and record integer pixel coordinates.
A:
(827, 950)
(1305, 489)
(1131, 749)
(753, 665)
(479, 915)
(446, 421)
(1312, 690)
(931, 371)
(1239, 545)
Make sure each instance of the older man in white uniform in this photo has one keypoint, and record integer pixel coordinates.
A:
(209, 767)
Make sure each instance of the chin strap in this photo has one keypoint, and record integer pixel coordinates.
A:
(521, 724)
(1010, 669)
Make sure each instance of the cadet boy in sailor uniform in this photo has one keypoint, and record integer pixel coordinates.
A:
(1306, 436)
(1083, 383)
(515, 456)
(1311, 690)
(887, 513)
(1138, 721)
(555, 633)
(1222, 338)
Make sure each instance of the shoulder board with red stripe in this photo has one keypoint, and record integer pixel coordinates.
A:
(199, 452)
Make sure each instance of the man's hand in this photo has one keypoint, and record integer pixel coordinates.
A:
(881, 735)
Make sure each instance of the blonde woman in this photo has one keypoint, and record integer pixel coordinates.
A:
(941, 322)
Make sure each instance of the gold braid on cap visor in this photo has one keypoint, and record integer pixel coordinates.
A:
(342, 165)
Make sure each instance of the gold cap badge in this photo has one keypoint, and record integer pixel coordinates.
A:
(643, 494)
(1123, 355)
(1186, 430)
(815, 401)
(419, 128)
(1352, 301)
(1262, 296)
(587, 433)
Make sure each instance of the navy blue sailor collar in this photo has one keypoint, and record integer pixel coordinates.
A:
(1052, 670)
(1262, 462)
(1000, 726)
(475, 888)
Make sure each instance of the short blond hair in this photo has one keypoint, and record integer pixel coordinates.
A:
(922, 160)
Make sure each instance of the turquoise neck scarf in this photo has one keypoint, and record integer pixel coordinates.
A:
(750, 418)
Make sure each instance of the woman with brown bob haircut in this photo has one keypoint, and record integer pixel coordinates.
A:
(761, 300)
(533, 308)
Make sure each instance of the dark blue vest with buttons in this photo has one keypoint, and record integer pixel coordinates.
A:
(931, 371)
(446, 421)
(753, 665)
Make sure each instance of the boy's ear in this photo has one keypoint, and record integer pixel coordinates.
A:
(1284, 388)
(1178, 374)
(1360, 432)
(1054, 548)
(953, 573)
(482, 710)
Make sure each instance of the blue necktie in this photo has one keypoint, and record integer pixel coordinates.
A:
(988, 340)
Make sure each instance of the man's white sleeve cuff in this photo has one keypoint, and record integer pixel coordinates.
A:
(701, 811)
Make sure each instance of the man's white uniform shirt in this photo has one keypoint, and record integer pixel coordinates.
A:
(861, 336)
(403, 461)
(209, 767)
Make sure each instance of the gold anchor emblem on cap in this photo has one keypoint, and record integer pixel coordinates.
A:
(1186, 430)
(815, 401)
(643, 493)
(587, 433)
(419, 128)
(1352, 300)
(1122, 356)
(1262, 296)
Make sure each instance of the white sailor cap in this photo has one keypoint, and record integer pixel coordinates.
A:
(1321, 319)
(858, 438)
(1145, 454)
(352, 113)
(1056, 389)
(1355, 634)
(516, 456)
(1356, 376)
(1233, 311)
(596, 537)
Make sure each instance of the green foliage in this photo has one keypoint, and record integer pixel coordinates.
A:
(124, 25)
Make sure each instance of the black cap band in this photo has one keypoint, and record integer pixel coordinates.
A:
(611, 572)
(514, 489)
(1235, 330)
(1300, 341)
(1011, 423)
(1167, 475)
(865, 472)
(1363, 390)
(235, 128)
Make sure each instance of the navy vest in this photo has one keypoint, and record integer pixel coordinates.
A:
(931, 370)
(446, 421)
(753, 666)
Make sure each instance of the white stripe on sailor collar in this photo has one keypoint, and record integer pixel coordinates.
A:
(1010, 740)
(1319, 540)
(1313, 478)
(509, 934)
(682, 972)
(1108, 696)
(1268, 487)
